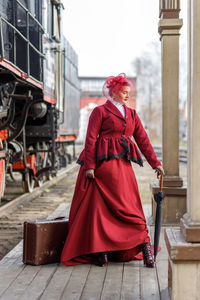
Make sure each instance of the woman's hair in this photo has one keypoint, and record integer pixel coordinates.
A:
(116, 84)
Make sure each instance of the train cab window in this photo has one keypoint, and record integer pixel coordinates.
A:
(6, 9)
(34, 7)
(38, 10)
(21, 19)
(24, 3)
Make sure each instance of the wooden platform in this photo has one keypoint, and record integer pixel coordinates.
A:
(123, 281)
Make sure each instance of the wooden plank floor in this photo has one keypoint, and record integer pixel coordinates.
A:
(125, 281)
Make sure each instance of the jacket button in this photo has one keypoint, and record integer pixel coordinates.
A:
(124, 124)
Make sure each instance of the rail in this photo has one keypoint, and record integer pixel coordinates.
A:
(182, 153)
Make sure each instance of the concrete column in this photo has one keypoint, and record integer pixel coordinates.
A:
(174, 205)
(184, 244)
(190, 223)
(170, 86)
(169, 35)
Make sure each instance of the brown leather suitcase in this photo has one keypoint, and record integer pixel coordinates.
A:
(44, 240)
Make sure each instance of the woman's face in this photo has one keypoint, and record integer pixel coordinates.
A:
(123, 95)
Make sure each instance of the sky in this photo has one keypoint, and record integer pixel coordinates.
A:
(108, 35)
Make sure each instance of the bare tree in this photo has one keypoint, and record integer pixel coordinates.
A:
(147, 68)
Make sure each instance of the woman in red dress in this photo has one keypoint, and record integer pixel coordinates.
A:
(106, 220)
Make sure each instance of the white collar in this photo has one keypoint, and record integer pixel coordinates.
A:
(115, 102)
(118, 105)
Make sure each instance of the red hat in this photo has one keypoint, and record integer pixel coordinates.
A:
(116, 83)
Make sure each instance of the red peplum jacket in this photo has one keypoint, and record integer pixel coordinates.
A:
(109, 136)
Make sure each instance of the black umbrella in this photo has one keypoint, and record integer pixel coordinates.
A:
(158, 197)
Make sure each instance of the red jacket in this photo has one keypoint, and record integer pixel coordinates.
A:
(109, 136)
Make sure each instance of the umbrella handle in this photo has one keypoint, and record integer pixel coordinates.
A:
(161, 183)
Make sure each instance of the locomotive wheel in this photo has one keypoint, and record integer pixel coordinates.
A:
(42, 162)
(49, 177)
(28, 182)
(2, 177)
(38, 182)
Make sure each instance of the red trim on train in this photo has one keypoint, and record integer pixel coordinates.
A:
(30, 160)
(66, 138)
(48, 91)
(49, 99)
(34, 82)
(10, 67)
(15, 70)
(4, 134)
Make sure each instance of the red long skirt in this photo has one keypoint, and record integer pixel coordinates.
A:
(106, 215)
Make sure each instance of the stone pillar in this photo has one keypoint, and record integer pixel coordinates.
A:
(174, 205)
(190, 223)
(184, 244)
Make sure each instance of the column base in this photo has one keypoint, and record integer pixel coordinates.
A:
(174, 203)
(173, 181)
(184, 266)
(190, 230)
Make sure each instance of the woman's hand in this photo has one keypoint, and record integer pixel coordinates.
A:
(160, 171)
(89, 173)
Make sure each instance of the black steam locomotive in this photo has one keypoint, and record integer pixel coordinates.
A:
(39, 91)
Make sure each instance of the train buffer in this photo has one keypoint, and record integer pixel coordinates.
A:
(130, 280)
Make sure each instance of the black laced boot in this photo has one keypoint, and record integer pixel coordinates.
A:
(102, 259)
(147, 255)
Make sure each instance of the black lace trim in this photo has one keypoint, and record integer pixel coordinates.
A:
(118, 156)
(127, 152)
(133, 159)
(80, 162)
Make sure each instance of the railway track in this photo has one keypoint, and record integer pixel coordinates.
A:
(37, 205)
(182, 154)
